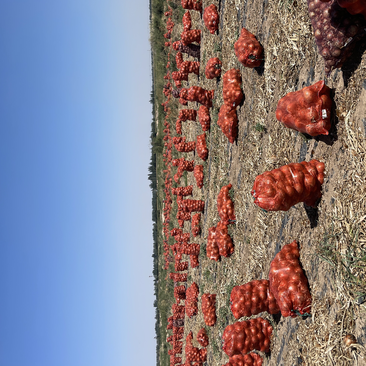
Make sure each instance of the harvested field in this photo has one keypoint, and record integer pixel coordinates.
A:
(332, 237)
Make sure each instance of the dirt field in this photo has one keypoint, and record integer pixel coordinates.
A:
(333, 235)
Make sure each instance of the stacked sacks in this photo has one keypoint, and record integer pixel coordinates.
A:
(191, 49)
(178, 277)
(231, 90)
(198, 175)
(190, 249)
(179, 59)
(175, 360)
(211, 18)
(192, 300)
(180, 266)
(288, 282)
(246, 336)
(188, 67)
(178, 77)
(248, 50)
(178, 311)
(192, 5)
(212, 249)
(336, 31)
(196, 229)
(179, 293)
(189, 206)
(194, 354)
(228, 122)
(187, 21)
(307, 110)
(187, 115)
(190, 36)
(182, 191)
(213, 68)
(201, 147)
(178, 235)
(194, 260)
(204, 117)
(223, 240)
(251, 359)
(182, 146)
(252, 298)
(197, 94)
(233, 96)
(282, 188)
(202, 337)
(225, 205)
(209, 309)
(183, 165)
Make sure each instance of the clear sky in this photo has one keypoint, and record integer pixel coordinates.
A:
(75, 222)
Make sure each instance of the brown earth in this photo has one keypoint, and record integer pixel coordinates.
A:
(291, 62)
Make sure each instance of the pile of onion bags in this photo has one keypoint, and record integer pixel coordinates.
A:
(183, 164)
(288, 283)
(204, 117)
(231, 89)
(336, 31)
(201, 147)
(182, 146)
(188, 67)
(178, 277)
(179, 59)
(307, 110)
(188, 205)
(202, 337)
(198, 94)
(252, 298)
(179, 293)
(212, 249)
(196, 229)
(194, 354)
(213, 68)
(280, 189)
(211, 18)
(190, 36)
(187, 21)
(198, 175)
(187, 115)
(248, 50)
(209, 309)
(192, 300)
(225, 205)
(223, 240)
(228, 122)
(246, 336)
(182, 191)
(192, 5)
(251, 359)
(180, 267)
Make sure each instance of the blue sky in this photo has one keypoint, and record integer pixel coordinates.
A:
(75, 205)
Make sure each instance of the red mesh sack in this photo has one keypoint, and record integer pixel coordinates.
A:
(183, 164)
(182, 191)
(212, 249)
(181, 266)
(248, 50)
(179, 59)
(228, 122)
(194, 354)
(225, 205)
(187, 115)
(288, 283)
(201, 147)
(307, 110)
(191, 49)
(188, 67)
(204, 117)
(192, 5)
(354, 6)
(282, 188)
(246, 336)
(178, 277)
(251, 359)
(190, 249)
(196, 229)
(202, 337)
(198, 94)
(211, 18)
(179, 293)
(213, 68)
(190, 36)
(175, 360)
(192, 300)
(336, 31)
(187, 21)
(188, 205)
(209, 309)
(252, 298)
(198, 175)
(194, 260)
(182, 146)
(231, 90)
(223, 240)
